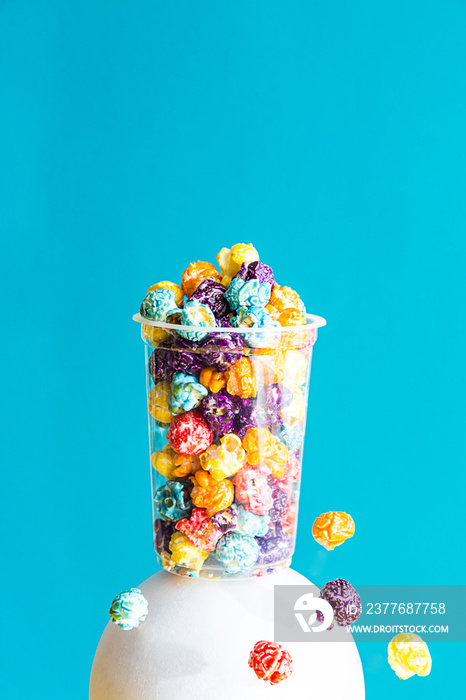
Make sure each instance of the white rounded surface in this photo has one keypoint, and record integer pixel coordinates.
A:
(196, 641)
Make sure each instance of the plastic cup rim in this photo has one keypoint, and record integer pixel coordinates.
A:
(314, 322)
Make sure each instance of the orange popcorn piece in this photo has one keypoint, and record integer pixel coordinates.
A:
(294, 317)
(196, 273)
(240, 379)
(211, 494)
(185, 465)
(332, 529)
(263, 448)
(269, 365)
(282, 298)
(212, 379)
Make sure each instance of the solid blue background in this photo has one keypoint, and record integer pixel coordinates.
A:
(140, 136)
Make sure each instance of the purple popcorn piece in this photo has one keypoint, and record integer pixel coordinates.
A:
(163, 529)
(225, 520)
(159, 362)
(219, 412)
(185, 356)
(280, 503)
(344, 600)
(256, 271)
(274, 549)
(222, 350)
(252, 414)
(212, 294)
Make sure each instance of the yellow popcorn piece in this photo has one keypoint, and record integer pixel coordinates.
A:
(154, 335)
(185, 553)
(162, 461)
(408, 655)
(231, 259)
(225, 459)
(157, 401)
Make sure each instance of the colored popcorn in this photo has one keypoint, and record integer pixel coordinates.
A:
(195, 274)
(240, 379)
(252, 488)
(263, 448)
(226, 520)
(230, 260)
(186, 393)
(344, 600)
(200, 530)
(212, 379)
(222, 350)
(196, 314)
(219, 412)
(409, 655)
(237, 552)
(270, 662)
(283, 298)
(257, 317)
(241, 294)
(228, 354)
(185, 553)
(159, 397)
(162, 460)
(172, 287)
(211, 494)
(252, 524)
(189, 433)
(225, 459)
(332, 529)
(158, 304)
(212, 294)
(172, 500)
(256, 271)
(128, 609)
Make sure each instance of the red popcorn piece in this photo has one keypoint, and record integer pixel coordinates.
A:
(253, 490)
(199, 530)
(270, 662)
(189, 434)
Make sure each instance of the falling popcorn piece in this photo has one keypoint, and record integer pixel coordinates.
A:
(408, 655)
(332, 529)
(270, 662)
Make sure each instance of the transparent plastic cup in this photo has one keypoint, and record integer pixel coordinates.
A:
(227, 417)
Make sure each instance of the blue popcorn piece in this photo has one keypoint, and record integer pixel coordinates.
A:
(173, 501)
(186, 393)
(128, 609)
(246, 294)
(292, 437)
(252, 524)
(158, 304)
(256, 317)
(237, 552)
(196, 314)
